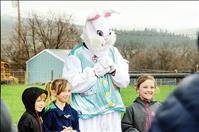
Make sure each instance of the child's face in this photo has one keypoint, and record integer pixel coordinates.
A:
(39, 104)
(146, 89)
(64, 96)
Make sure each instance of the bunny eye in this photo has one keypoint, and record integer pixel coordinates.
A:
(110, 32)
(99, 32)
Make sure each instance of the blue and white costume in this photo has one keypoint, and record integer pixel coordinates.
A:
(95, 76)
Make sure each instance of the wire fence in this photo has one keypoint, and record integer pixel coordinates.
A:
(35, 77)
(14, 77)
(162, 78)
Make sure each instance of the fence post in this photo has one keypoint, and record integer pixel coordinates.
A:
(26, 77)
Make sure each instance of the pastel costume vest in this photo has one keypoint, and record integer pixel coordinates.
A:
(103, 97)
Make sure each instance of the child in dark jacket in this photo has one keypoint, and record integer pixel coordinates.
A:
(34, 101)
(59, 115)
(139, 115)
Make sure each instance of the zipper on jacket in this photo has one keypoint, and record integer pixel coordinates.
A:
(148, 120)
(39, 121)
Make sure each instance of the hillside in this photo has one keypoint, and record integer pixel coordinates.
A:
(144, 38)
(7, 24)
(191, 32)
(152, 38)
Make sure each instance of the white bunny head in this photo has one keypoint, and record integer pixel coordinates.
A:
(97, 33)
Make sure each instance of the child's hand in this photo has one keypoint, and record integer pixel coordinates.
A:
(67, 129)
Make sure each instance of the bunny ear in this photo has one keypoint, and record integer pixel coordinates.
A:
(92, 18)
(96, 14)
(109, 12)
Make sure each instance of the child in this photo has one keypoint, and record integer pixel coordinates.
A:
(60, 116)
(139, 115)
(34, 101)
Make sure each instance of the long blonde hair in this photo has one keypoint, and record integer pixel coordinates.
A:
(48, 89)
(55, 87)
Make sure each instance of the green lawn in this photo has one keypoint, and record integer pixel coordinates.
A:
(129, 94)
(11, 94)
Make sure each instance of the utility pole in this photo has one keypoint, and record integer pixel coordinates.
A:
(16, 4)
(19, 34)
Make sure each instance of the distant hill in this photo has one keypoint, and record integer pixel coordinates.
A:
(146, 38)
(7, 25)
(191, 32)
(152, 38)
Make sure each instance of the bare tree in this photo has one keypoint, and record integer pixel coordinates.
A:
(145, 59)
(192, 58)
(39, 32)
(164, 59)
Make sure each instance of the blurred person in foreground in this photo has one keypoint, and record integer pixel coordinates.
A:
(6, 120)
(180, 111)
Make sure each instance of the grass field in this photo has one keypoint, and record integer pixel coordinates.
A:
(11, 95)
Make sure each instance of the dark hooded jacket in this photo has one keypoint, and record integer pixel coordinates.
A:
(30, 120)
(180, 111)
(139, 115)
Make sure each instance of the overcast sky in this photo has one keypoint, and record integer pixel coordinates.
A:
(170, 15)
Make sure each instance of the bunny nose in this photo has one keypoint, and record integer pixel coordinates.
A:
(106, 38)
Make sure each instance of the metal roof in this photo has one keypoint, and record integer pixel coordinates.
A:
(58, 53)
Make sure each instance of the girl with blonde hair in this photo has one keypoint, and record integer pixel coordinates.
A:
(59, 115)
